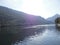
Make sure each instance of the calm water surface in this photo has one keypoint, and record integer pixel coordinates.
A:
(48, 37)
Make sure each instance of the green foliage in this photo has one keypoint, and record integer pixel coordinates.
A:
(57, 21)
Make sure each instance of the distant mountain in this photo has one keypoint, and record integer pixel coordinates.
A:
(13, 17)
(52, 19)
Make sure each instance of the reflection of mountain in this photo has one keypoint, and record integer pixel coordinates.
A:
(13, 17)
(12, 23)
(52, 19)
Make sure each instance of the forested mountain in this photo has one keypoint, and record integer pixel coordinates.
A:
(13, 17)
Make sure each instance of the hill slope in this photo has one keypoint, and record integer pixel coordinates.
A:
(13, 17)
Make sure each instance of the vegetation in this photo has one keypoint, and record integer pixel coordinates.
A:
(57, 22)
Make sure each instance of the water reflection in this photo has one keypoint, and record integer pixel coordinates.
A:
(49, 37)
(16, 34)
(33, 36)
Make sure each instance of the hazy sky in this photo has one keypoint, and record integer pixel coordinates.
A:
(44, 8)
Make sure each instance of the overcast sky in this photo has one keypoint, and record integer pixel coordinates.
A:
(44, 8)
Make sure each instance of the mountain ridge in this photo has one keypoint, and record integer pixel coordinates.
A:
(52, 19)
(12, 17)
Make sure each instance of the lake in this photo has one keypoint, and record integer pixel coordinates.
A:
(50, 36)
(34, 35)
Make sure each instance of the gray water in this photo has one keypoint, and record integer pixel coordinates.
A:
(48, 37)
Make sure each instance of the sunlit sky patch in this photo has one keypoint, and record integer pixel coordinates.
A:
(44, 8)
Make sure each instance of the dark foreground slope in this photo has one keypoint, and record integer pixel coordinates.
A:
(13, 17)
(12, 25)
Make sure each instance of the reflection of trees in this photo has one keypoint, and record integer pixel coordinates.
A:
(57, 22)
(13, 34)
